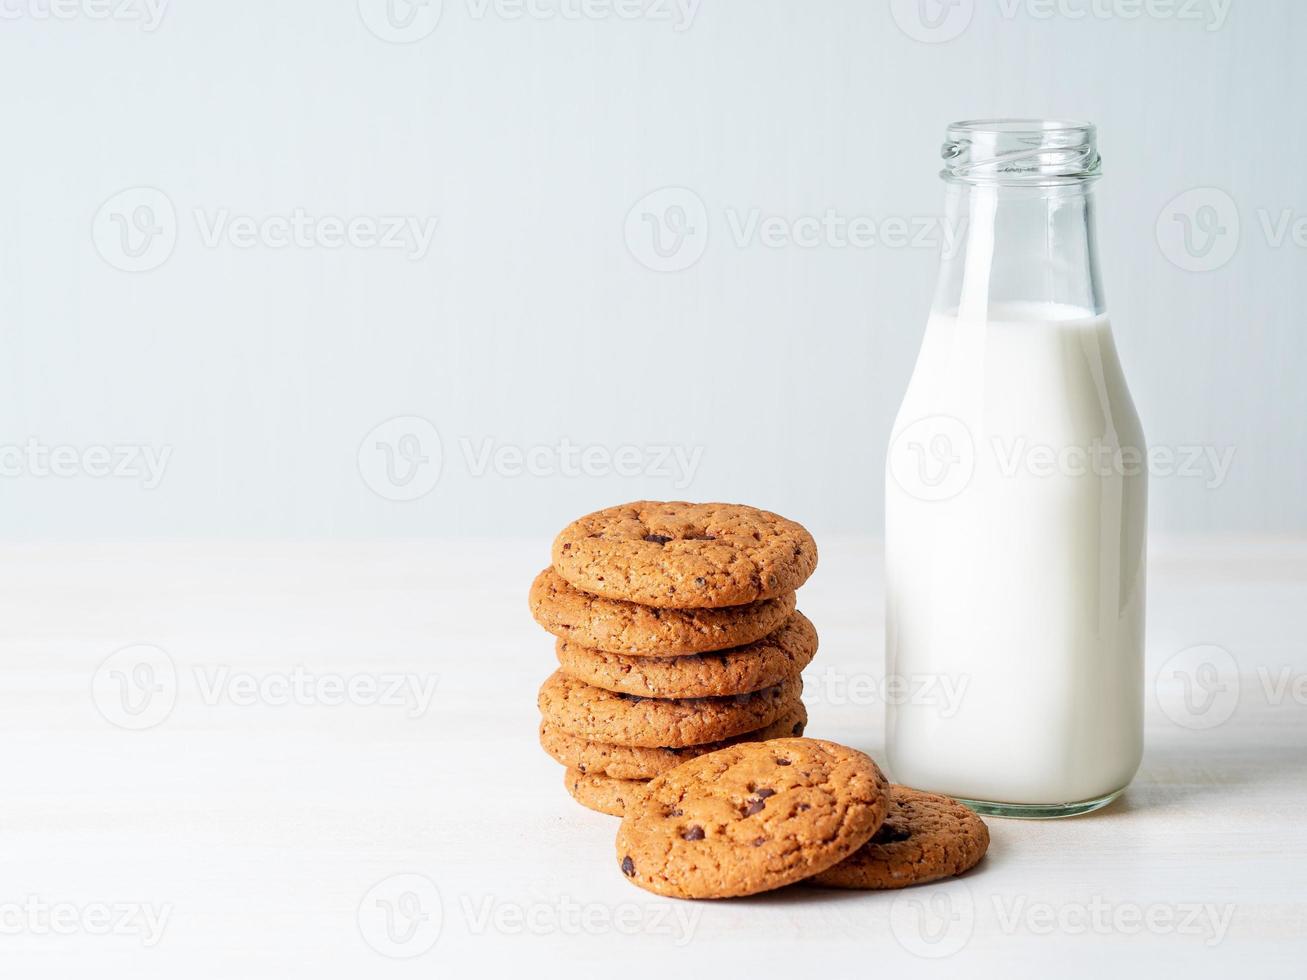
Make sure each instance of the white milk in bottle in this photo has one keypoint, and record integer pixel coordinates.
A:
(1016, 497)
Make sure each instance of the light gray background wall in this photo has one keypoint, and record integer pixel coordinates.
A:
(529, 134)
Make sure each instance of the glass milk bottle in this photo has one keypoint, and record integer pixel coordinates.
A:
(1016, 498)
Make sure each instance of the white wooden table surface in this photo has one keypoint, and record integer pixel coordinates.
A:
(283, 808)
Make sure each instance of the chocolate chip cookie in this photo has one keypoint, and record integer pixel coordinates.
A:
(602, 793)
(751, 818)
(685, 556)
(634, 630)
(748, 668)
(605, 716)
(635, 762)
(925, 837)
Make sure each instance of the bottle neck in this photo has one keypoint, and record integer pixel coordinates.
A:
(1019, 244)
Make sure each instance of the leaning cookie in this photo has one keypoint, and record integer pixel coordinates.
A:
(634, 630)
(593, 713)
(925, 837)
(744, 669)
(750, 818)
(603, 793)
(680, 555)
(636, 762)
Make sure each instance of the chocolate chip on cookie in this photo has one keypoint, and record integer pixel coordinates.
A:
(751, 818)
(680, 555)
(925, 837)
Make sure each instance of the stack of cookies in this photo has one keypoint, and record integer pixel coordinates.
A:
(677, 635)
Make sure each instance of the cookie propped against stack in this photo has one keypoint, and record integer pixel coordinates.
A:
(756, 817)
(677, 635)
(751, 818)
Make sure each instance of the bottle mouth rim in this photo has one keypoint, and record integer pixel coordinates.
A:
(1021, 126)
(1021, 151)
